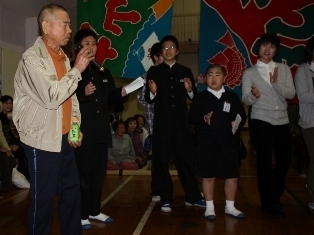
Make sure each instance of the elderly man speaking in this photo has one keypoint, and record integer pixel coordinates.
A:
(45, 105)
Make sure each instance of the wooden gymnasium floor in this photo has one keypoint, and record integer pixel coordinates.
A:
(126, 198)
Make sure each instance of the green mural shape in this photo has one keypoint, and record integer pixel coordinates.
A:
(245, 2)
(262, 3)
(304, 31)
(291, 56)
(259, 3)
(94, 12)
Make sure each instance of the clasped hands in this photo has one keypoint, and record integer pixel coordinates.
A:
(153, 87)
(8, 152)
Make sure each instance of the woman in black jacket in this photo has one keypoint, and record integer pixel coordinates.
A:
(95, 92)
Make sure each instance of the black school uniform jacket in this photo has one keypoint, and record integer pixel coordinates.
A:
(170, 110)
(220, 122)
(95, 124)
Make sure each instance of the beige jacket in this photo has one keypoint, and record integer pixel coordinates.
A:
(38, 98)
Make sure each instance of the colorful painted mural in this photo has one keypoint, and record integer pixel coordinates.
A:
(230, 30)
(126, 29)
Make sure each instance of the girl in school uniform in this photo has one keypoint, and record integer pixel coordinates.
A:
(214, 112)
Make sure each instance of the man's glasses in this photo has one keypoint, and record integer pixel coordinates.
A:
(168, 48)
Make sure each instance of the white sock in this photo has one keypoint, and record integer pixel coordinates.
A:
(229, 205)
(210, 205)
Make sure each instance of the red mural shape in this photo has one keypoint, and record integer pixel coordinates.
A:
(231, 59)
(104, 49)
(113, 15)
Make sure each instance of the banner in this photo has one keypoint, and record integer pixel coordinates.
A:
(126, 30)
(230, 30)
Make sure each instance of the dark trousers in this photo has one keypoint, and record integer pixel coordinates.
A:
(299, 154)
(308, 135)
(268, 140)
(6, 166)
(154, 184)
(177, 143)
(53, 173)
(91, 162)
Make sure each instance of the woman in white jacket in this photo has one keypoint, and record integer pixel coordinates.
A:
(304, 86)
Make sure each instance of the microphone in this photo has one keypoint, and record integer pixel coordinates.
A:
(78, 47)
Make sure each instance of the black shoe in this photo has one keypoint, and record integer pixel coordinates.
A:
(275, 210)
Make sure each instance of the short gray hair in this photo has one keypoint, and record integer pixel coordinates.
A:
(48, 10)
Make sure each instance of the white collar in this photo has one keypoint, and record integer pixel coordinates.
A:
(262, 64)
(218, 94)
(170, 65)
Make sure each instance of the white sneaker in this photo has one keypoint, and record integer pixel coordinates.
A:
(234, 213)
(86, 224)
(166, 207)
(211, 215)
(311, 205)
(102, 217)
(156, 198)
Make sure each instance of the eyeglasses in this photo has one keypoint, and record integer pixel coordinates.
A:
(168, 48)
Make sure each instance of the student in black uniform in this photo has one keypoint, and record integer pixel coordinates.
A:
(96, 90)
(168, 86)
(213, 112)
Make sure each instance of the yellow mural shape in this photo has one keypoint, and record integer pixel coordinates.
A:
(161, 7)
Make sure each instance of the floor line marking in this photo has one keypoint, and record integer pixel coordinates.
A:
(115, 191)
(298, 200)
(144, 219)
(16, 196)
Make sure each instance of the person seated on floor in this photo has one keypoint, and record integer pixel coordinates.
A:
(121, 155)
(141, 147)
(14, 143)
(7, 163)
(145, 135)
(141, 122)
